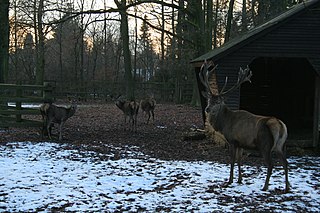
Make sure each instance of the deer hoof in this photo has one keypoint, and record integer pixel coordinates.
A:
(225, 185)
(287, 190)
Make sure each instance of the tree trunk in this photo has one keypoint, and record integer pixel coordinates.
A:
(40, 46)
(209, 25)
(244, 24)
(124, 32)
(135, 45)
(215, 29)
(162, 33)
(4, 40)
(229, 21)
(81, 49)
(15, 35)
(200, 42)
(181, 20)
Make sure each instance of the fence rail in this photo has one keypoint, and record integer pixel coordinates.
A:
(16, 101)
(163, 92)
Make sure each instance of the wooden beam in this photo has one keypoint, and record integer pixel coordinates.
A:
(316, 113)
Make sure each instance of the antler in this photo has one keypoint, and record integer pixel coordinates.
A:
(243, 76)
(205, 71)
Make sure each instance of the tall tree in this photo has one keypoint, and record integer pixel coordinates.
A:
(147, 53)
(244, 24)
(4, 39)
(180, 37)
(39, 44)
(162, 33)
(215, 28)
(229, 21)
(209, 25)
(124, 31)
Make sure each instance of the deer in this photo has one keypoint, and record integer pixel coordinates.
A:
(148, 105)
(130, 108)
(242, 129)
(52, 113)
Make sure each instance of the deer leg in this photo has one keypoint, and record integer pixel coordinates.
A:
(60, 131)
(45, 131)
(131, 122)
(136, 121)
(284, 162)
(44, 127)
(233, 158)
(152, 115)
(49, 128)
(267, 158)
(239, 152)
(149, 115)
(125, 121)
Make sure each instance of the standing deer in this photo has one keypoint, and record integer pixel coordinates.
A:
(55, 114)
(242, 129)
(147, 105)
(130, 109)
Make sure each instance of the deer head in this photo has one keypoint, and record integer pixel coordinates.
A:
(214, 99)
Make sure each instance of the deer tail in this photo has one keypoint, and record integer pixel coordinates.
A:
(44, 108)
(279, 133)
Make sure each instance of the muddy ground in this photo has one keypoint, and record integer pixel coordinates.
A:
(100, 126)
(95, 124)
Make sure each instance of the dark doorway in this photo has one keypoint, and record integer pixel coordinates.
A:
(284, 88)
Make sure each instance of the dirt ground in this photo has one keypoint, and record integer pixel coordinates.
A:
(99, 126)
(95, 124)
(99, 123)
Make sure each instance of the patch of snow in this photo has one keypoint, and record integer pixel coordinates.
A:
(25, 105)
(51, 176)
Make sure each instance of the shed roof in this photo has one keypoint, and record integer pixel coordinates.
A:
(256, 32)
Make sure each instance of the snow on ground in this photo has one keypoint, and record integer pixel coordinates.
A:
(57, 177)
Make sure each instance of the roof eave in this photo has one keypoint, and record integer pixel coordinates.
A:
(253, 34)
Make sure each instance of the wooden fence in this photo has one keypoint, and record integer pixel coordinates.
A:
(163, 92)
(16, 101)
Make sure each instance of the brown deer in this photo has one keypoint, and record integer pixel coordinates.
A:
(242, 129)
(52, 113)
(148, 105)
(130, 108)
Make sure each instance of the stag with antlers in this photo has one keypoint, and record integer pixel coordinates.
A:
(242, 129)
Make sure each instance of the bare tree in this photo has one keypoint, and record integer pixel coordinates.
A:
(215, 29)
(244, 24)
(209, 25)
(229, 21)
(4, 39)
(40, 42)
(122, 6)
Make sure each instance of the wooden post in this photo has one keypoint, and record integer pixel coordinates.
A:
(316, 114)
(18, 103)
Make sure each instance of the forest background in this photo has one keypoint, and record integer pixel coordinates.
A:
(131, 47)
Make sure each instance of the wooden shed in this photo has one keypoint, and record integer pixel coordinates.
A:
(284, 56)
